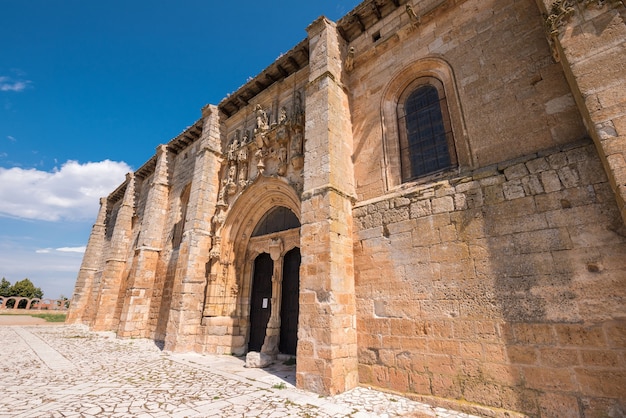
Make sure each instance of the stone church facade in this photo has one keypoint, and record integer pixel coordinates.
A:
(426, 196)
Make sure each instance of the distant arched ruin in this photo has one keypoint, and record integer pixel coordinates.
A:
(33, 304)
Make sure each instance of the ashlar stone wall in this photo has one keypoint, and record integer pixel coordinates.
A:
(503, 287)
(501, 282)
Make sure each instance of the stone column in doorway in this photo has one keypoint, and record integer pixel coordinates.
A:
(327, 346)
(140, 287)
(589, 38)
(272, 334)
(190, 282)
(80, 311)
(105, 318)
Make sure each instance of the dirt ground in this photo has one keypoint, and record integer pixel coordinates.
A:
(23, 320)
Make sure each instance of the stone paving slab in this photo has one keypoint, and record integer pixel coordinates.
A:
(68, 371)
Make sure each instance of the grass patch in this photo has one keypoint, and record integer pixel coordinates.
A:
(280, 385)
(51, 317)
(290, 362)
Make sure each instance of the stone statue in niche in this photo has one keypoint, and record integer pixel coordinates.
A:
(242, 154)
(232, 148)
(260, 155)
(262, 121)
(218, 221)
(232, 178)
(282, 118)
(228, 186)
(242, 160)
(243, 175)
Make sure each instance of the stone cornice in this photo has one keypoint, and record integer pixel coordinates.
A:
(309, 194)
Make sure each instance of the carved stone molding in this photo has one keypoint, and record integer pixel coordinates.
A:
(276, 248)
(561, 11)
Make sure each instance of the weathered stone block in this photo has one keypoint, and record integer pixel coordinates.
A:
(557, 405)
(580, 335)
(604, 383)
(550, 181)
(551, 379)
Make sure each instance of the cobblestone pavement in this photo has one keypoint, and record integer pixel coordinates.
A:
(68, 371)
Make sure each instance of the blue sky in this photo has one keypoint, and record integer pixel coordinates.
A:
(88, 89)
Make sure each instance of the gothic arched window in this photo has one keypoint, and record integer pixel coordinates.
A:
(425, 131)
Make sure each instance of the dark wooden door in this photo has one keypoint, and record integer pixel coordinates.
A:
(290, 306)
(260, 301)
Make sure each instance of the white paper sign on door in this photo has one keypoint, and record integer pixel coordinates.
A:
(265, 303)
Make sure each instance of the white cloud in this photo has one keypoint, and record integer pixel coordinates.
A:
(69, 193)
(9, 84)
(10, 138)
(54, 272)
(72, 249)
(80, 250)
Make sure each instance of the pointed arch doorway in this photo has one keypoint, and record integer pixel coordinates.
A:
(275, 288)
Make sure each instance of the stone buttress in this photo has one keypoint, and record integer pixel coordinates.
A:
(107, 317)
(82, 310)
(587, 37)
(327, 346)
(141, 281)
(190, 282)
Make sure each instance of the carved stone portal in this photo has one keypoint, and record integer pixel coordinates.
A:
(275, 149)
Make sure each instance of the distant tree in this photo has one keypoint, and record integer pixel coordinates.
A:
(26, 289)
(5, 287)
